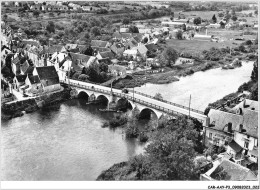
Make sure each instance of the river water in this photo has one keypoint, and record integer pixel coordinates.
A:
(68, 143)
(204, 87)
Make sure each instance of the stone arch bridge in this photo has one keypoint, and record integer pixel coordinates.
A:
(142, 101)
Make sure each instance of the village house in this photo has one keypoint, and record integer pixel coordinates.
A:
(200, 37)
(100, 49)
(99, 43)
(48, 77)
(80, 61)
(56, 60)
(242, 128)
(16, 61)
(19, 81)
(141, 51)
(234, 172)
(105, 55)
(118, 48)
(34, 86)
(124, 30)
(65, 67)
(117, 70)
(72, 48)
(131, 53)
(26, 67)
(5, 88)
(131, 43)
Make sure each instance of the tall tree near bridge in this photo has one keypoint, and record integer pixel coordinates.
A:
(214, 19)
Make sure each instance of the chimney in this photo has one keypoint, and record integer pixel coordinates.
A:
(45, 60)
(230, 127)
(240, 128)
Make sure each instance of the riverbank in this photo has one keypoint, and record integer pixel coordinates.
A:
(20, 107)
(173, 74)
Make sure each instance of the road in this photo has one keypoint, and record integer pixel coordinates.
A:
(185, 111)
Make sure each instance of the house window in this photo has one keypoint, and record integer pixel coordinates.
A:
(246, 144)
(210, 135)
(255, 142)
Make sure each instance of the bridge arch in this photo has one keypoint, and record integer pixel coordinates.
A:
(124, 103)
(102, 99)
(147, 113)
(83, 95)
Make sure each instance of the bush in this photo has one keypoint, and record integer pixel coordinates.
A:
(105, 125)
(83, 77)
(131, 131)
(143, 137)
(118, 121)
(76, 76)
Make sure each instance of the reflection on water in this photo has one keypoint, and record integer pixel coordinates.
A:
(67, 143)
(204, 87)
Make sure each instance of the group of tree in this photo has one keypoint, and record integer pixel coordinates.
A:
(171, 153)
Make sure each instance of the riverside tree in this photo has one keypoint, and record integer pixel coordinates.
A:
(170, 155)
(170, 55)
(214, 19)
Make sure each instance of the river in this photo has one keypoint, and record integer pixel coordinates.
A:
(204, 87)
(68, 143)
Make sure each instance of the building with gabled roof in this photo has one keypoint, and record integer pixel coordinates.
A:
(99, 43)
(118, 48)
(19, 80)
(72, 48)
(48, 77)
(26, 68)
(79, 61)
(34, 85)
(105, 55)
(242, 128)
(230, 170)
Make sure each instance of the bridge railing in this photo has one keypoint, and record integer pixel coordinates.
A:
(159, 108)
(168, 102)
(138, 100)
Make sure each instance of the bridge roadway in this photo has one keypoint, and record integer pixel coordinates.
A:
(143, 99)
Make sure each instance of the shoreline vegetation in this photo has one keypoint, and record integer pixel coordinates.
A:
(172, 74)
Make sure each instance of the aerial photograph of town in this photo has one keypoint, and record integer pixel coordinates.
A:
(129, 91)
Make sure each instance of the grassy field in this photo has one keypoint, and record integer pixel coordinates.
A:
(195, 46)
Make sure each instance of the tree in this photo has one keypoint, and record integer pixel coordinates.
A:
(220, 14)
(234, 17)
(179, 35)
(36, 14)
(214, 19)
(126, 21)
(250, 14)
(220, 174)
(254, 74)
(50, 27)
(145, 40)
(197, 21)
(133, 29)
(158, 96)
(170, 155)
(222, 24)
(170, 55)
(184, 27)
(95, 31)
(89, 51)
